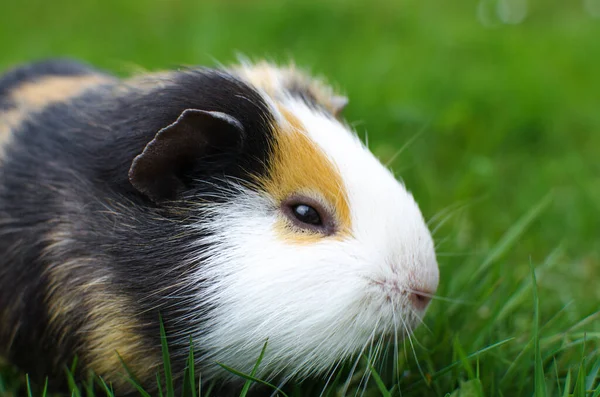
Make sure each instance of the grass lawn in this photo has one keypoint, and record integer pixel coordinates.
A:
(503, 122)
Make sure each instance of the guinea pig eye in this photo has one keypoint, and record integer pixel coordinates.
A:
(307, 214)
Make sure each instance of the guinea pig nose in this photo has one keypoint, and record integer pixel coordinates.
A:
(419, 298)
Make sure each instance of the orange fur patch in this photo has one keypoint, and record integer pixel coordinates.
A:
(274, 81)
(299, 166)
(147, 82)
(33, 96)
(264, 76)
(43, 92)
(109, 326)
(9, 120)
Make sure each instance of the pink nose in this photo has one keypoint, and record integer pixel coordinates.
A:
(420, 299)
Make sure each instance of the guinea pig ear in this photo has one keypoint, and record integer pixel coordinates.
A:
(157, 172)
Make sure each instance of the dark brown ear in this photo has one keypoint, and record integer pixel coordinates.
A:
(158, 170)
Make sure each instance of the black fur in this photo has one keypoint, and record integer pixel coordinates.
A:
(67, 167)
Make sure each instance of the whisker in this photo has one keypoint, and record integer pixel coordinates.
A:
(362, 385)
(280, 386)
(333, 370)
(407, 144)
(396, 358)
(420, 320)
(459, 254)
(439, 297)
(357, 123)
(444, 211)
(453, 208)
(369, 341)
(440, 242)
(373, 348)
(372, 358)
(383, 361)
(443, 221)
(410, 340)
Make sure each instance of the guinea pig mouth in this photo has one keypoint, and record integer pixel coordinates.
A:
(398, 316)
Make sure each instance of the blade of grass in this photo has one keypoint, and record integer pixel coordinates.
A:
(248, 377)
(132, 379)
(29, 394)
(89, 385)
(580, 385)
(211, 386)
(159, 386)
(45, 391)
(567, 393)
(107, 390)
(514, 366)
(72, 384)
(581, 340)
(457, 363)
(380, 384)
(511, 236)
(592, 376)
(462, 357)
(248, 383)
(166, 359)
(185, 389)
(539, 378)
(579, 390)
(557, 376)
(192, 370)
(517, 297)
(74, 364)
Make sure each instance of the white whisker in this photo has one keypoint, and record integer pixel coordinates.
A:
(369, 341)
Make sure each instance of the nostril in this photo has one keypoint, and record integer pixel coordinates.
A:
(420, 299)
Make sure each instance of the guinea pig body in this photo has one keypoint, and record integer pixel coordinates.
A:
(233, 202)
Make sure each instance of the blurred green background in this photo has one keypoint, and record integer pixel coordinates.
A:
(499, 99)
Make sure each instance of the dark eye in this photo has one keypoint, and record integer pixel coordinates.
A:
(307, 214)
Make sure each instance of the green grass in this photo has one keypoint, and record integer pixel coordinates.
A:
(507, 161)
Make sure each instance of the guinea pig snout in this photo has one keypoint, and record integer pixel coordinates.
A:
(414, 288)
(420, 299)
(393, 290)
(422, 287)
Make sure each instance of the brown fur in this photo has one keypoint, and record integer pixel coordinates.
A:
(38, 94)
(33, 96)
(9, 120)
(109, 329)
(145, 82)
(275, 80)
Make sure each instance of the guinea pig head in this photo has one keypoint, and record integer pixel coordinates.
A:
(320, 250)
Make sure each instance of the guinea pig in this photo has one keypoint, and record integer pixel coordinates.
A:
(234, 203)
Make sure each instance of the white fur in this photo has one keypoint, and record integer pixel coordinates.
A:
(316, 303)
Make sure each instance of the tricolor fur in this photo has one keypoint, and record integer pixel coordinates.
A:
(110, 216)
